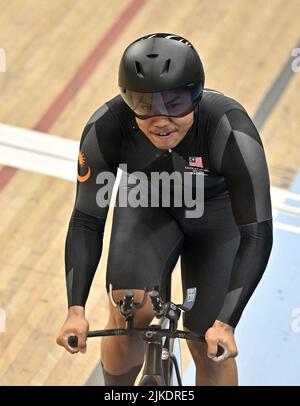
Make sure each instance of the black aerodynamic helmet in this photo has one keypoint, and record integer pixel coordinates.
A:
(161, 74)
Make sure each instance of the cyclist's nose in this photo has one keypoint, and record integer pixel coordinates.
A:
(161, 122)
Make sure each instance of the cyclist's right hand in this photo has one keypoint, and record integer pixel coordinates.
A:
(75, 325)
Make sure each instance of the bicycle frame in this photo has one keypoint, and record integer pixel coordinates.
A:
(159, 362)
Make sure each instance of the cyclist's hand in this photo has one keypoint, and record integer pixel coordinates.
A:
(75, 325)
(220, 334)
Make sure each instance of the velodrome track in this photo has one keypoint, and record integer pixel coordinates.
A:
(62, 59)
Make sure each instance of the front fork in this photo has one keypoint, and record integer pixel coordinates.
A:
(153, 371)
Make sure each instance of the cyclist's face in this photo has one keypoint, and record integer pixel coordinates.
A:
(166, 132)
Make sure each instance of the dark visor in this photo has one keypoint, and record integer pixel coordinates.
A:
(172, 103)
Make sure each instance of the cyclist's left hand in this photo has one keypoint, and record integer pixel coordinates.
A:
(220, 334)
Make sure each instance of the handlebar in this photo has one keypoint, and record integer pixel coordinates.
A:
(152, 333)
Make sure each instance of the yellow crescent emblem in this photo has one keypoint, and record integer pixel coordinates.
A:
(82, 163)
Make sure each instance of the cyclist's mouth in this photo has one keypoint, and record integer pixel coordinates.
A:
(164, 134)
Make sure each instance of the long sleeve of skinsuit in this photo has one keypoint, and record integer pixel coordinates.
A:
(97, 167)
(236, 151)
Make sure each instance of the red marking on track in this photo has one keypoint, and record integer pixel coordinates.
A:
(88, 66)
(80, 77)
(6, 174)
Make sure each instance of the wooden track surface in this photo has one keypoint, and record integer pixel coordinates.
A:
(243, 45)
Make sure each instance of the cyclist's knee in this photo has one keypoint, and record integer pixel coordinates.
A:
(142, 316)
(198, 351)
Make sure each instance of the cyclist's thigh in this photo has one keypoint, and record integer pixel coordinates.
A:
(144, 247)
(210, 247)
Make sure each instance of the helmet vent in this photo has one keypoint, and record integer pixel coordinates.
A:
(139, 69)
(166, 67)
(152, 56)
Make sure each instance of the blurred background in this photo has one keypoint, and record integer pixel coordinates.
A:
(58, 64)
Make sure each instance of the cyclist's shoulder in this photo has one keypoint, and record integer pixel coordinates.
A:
(111, 117)
(107, 120)
(223, 115)
(107, 111)
(103, 135)
(217, 104)
(119, 107)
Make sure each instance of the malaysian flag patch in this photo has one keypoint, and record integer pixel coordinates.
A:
(196, 161)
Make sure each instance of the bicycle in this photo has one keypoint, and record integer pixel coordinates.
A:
(160, 362)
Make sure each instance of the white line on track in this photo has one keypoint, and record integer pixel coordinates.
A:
(56, 156)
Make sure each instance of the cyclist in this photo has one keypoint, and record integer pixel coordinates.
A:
(164, 120)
